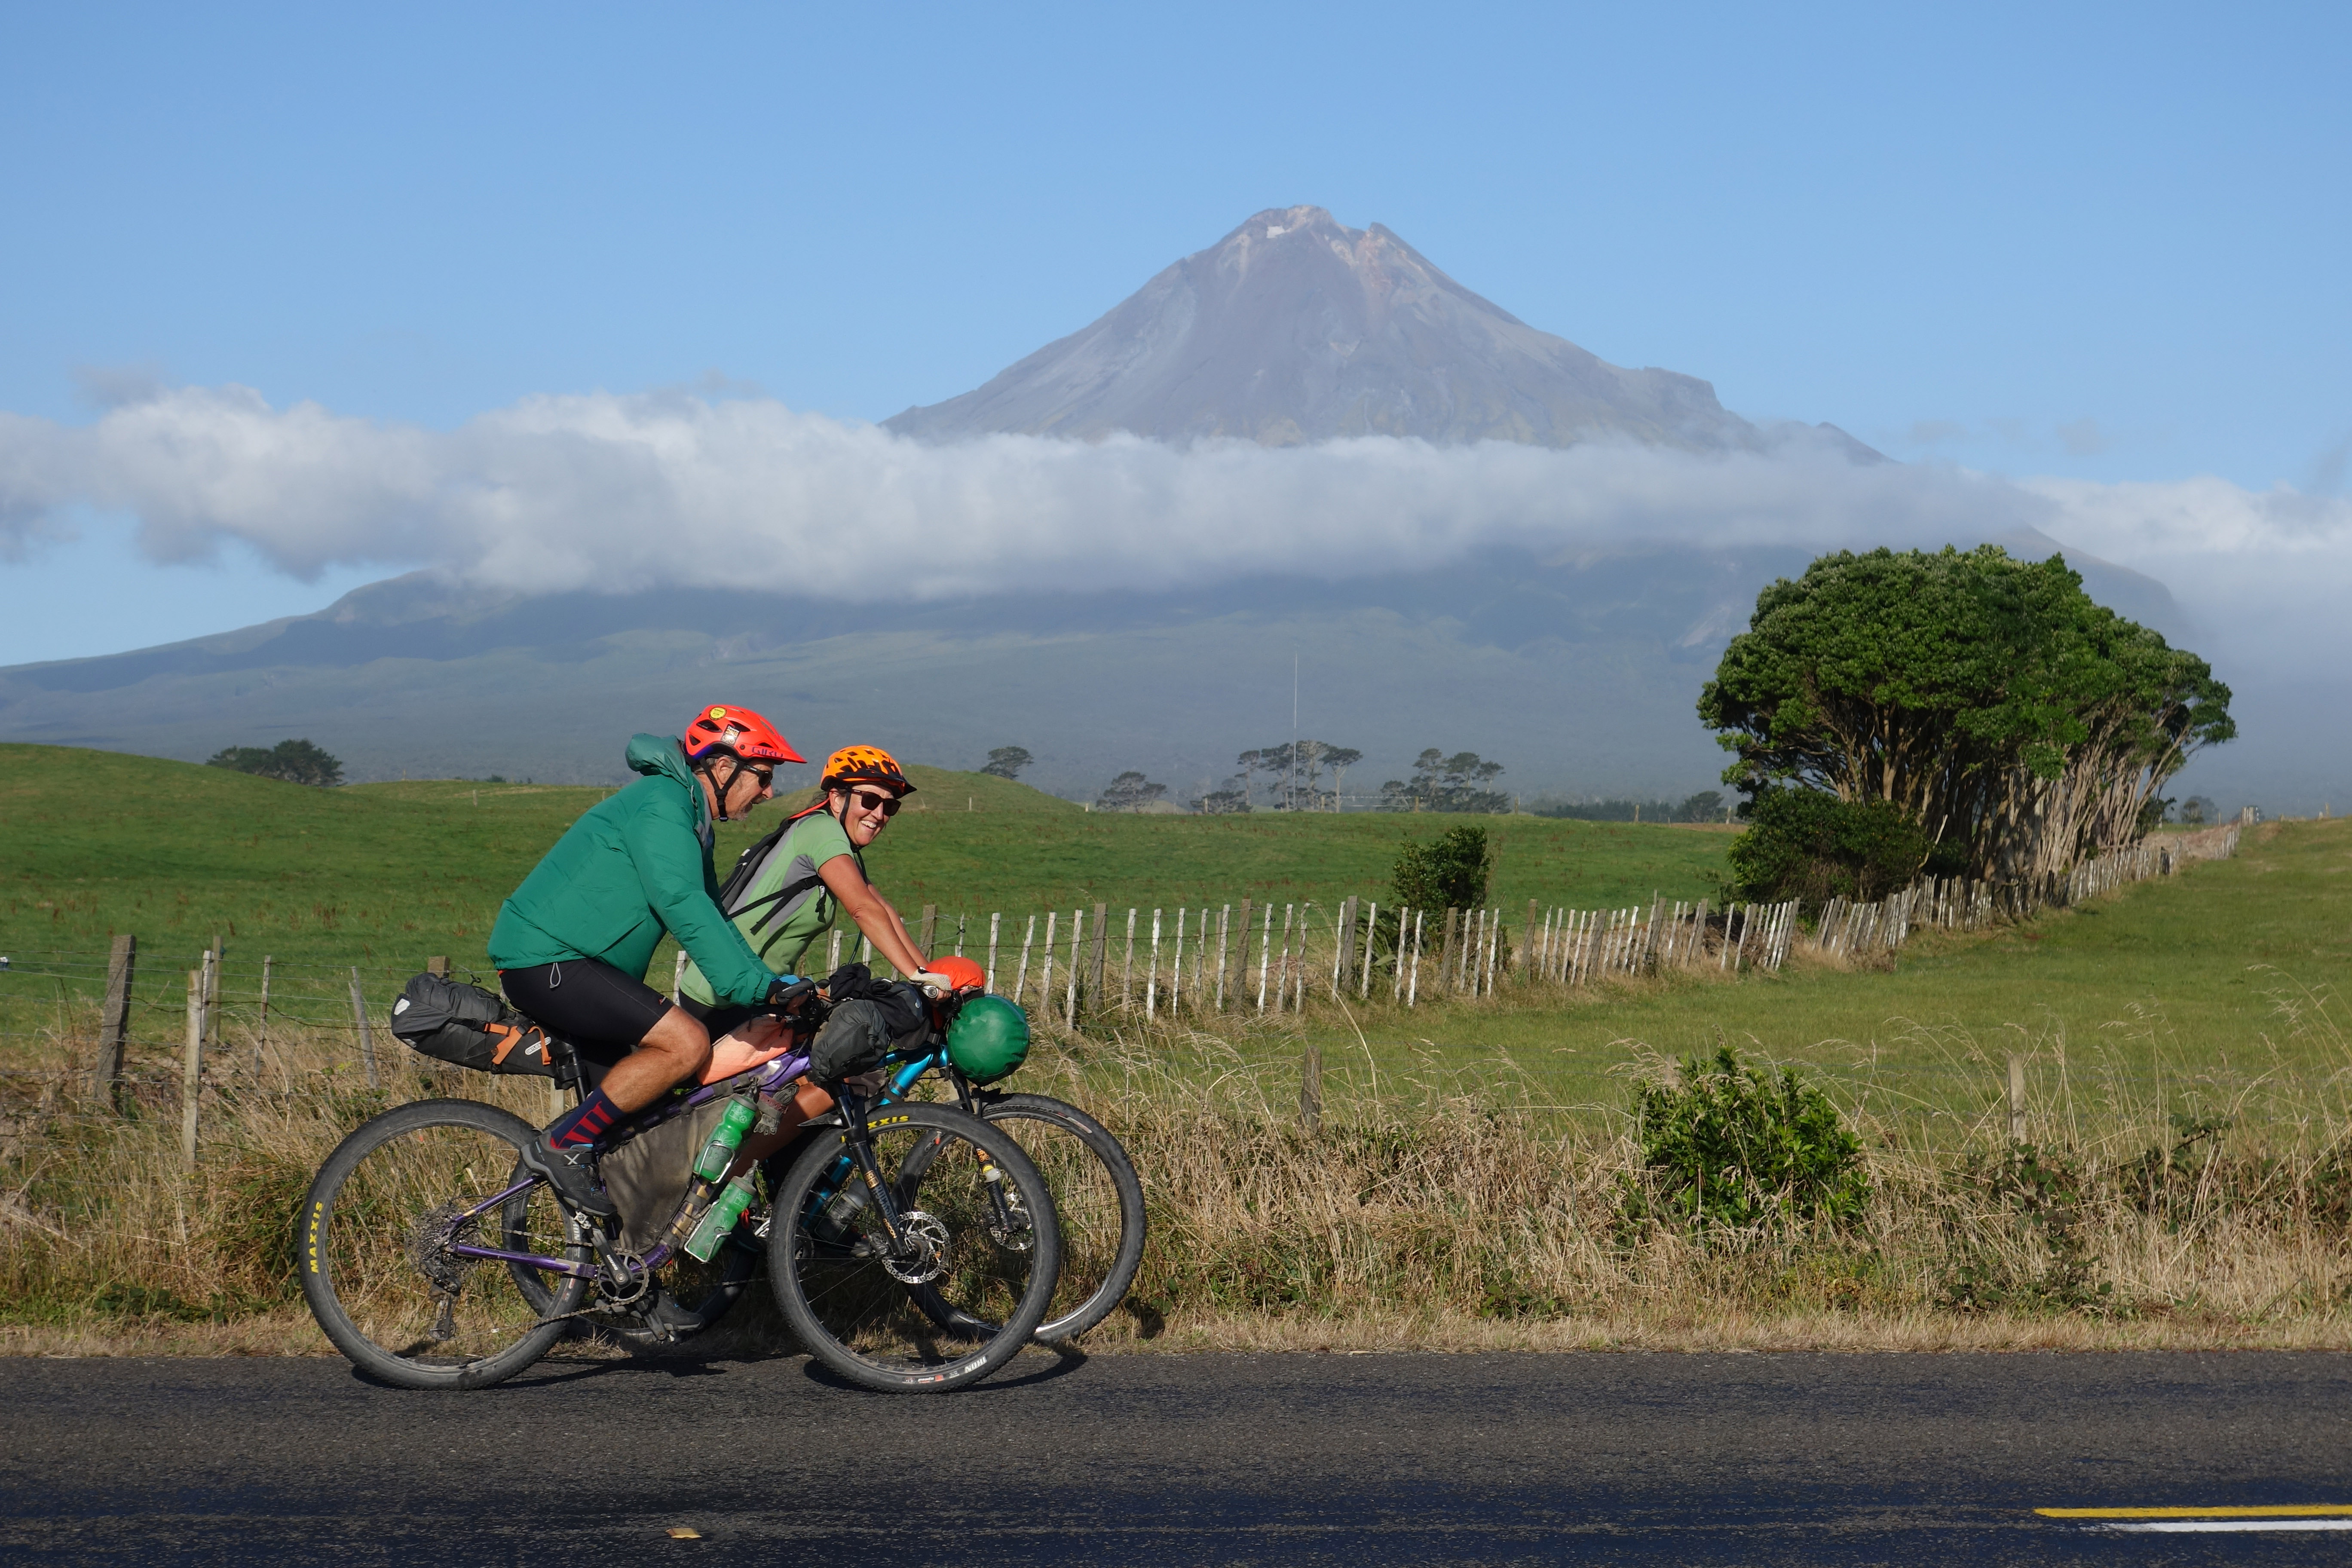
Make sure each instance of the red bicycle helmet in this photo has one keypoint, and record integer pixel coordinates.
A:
(737, 733)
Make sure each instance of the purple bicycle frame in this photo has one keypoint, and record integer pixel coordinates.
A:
(769, 1077)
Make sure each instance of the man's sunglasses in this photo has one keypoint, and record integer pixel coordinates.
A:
(887, 804)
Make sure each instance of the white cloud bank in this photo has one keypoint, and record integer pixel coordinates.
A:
(625, 492)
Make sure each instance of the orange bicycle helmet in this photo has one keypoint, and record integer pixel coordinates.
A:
(737, 733)
(866, 765)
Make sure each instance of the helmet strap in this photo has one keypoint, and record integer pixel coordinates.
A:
(719, 793)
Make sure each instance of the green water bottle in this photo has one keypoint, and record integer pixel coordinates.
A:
(719, 1218)
(725, 1139)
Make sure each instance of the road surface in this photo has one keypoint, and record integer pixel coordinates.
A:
(1317, 1459)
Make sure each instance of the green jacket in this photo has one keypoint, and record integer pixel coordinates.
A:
(633, 866)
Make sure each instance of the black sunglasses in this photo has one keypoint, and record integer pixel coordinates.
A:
(887, 804)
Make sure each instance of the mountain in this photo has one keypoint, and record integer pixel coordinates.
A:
(1578, 669)
(1296, 328)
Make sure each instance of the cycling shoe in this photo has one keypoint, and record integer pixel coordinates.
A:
(571, 1172)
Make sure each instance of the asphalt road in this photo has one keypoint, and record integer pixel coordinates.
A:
(1355, 1460)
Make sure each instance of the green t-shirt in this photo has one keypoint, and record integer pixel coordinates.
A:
(786, 906)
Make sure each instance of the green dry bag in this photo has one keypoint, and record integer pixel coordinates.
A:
(988, 1038)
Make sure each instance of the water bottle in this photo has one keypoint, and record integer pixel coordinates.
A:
(719, 1218)
(833, 1221)
(725, 1139)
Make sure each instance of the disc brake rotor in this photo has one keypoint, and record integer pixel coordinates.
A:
(924, 1256)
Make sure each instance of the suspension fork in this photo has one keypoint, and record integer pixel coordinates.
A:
(970, 1101)
(861, 1153)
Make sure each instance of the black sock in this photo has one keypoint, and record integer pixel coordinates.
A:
(591, 1121)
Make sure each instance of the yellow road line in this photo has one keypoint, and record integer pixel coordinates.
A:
(2280, 1510)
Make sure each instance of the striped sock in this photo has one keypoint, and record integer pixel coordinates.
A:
(585, 1124)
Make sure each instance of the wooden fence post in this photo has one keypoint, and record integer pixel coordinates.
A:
(1028, 937)
(213, 993)
(1413, 985)
(1310, 1090)
(930, 929)
(114, 1023)
(1127, 965)
(1266, 952)
(1098, 957)
(1045, 972)
(1152, 974)
(1077, 950)
(1528, 947)
(261, 1023)
(2016, 1097)
(1241, 959)
(192, 1067)
(360, 1022)
(995, 922)
(438, 965)
(1364, 979)
(678, 979)
(1445, 949)
(1342, 945)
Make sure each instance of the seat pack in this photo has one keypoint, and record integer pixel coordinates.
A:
(469, 1026)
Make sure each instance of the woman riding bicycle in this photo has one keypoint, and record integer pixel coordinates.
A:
(788, 891)
(572, 945)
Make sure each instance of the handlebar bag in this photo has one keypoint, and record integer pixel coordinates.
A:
(469, 1026)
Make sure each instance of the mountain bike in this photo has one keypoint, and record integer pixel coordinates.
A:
(433, 1259)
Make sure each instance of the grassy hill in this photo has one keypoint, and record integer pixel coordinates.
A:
(383, 876)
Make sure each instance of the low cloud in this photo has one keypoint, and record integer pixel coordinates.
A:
(625, 492)
(2083, 438)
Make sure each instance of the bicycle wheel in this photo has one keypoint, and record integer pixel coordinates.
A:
(1098, 1200)
(377, 1269)
(981, 1234)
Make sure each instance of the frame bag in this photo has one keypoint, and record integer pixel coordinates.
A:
(467, 1027)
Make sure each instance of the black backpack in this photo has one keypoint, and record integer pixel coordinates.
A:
(467, 1027)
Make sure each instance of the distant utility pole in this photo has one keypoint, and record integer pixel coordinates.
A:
(1290, 778)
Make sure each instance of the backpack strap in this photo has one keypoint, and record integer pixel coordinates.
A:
(780, 903)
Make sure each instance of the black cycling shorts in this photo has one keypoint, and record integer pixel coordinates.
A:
(603, 1012)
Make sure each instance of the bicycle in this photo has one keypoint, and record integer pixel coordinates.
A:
(404, 1213)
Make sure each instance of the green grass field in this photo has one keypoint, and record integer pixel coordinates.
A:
(2185, 996)
(385, 876)
(2171, 991)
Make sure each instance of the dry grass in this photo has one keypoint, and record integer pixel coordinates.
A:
(1439, 1207)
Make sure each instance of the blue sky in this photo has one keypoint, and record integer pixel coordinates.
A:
(2097, 243)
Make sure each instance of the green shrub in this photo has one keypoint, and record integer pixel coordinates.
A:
(1728, 1145)
(1808, 845)
(2039, 1261)
(1449, 872)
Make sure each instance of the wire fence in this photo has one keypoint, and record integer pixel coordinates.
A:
(1088, 969)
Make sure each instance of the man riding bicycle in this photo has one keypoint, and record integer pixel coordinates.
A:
(572, 945)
